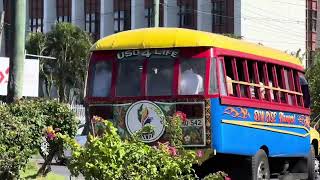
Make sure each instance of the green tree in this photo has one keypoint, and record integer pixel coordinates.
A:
(313, 77)
(70, 46)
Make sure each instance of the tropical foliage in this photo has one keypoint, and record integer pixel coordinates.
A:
(313, 77)
(107, 156)
(70, 46)
(23, 127)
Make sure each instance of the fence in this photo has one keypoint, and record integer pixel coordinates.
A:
(80, 112)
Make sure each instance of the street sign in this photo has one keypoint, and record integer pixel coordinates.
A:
(31, 77)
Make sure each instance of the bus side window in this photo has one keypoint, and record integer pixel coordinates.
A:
(241, 76)
(261, 80)
(222, 80)
(252, 76)
(231, 87)
(286, 78)
(281, 84)
(305, 90)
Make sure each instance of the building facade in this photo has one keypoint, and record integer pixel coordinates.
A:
(282, 24)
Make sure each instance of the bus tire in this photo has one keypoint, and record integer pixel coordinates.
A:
(260, 166)
(311, 164)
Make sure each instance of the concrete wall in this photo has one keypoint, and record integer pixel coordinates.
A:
(106, 18)
(278, 24)
(49, 15)
(204, 18)
(137, 14)
(171, 18)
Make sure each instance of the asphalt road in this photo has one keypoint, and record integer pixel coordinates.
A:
(62, 170)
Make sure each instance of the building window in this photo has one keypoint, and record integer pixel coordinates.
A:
(148, 11)
(63, 10)
(222, 16)
(36, 15)
(218, 11)
(92, 17)
(187, 13)
(122, 15)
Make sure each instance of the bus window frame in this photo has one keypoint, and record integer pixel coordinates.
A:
(258, 103)
(94, 58)
(189, 52)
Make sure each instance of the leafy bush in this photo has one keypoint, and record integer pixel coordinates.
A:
(109, 157)
(29, 112)
(16, 141)
(41, 113)
(27, 120)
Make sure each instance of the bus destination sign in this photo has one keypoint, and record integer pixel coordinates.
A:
(173, 53)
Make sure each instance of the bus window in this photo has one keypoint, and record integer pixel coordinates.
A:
(305, 90)
(213, 77)
(281, 84)
(253, 90)
(298, 87)
(129, 77)
(160, 76)
(102, 76)
(286, 78)
(222, 79)
(231, 87)
(271, 82)
(192, 76)
(241, 76)
(262, 80)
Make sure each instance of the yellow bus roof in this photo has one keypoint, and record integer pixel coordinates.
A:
(178, 37)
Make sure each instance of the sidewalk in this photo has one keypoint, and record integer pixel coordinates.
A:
(60, 170)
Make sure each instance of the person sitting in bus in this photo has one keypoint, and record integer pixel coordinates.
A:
(191, 83)
(229, 86)
(263, 91)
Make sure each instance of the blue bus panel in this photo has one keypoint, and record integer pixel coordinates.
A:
(243, 131)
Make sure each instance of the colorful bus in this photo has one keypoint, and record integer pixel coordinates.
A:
(240, 98)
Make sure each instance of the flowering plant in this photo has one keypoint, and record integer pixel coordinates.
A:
(98, 126)
(50, 133)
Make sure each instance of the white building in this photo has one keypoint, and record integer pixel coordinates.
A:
(281, 24)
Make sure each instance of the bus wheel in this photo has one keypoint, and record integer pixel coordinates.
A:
(311, 164)
(260, 166)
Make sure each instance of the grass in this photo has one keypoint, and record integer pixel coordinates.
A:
(31, 173)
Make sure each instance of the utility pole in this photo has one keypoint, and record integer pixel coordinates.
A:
(156, 12)
(15, 84)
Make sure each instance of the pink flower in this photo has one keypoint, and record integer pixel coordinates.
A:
(227, 178)
(180, 115)
(199, 153)
(51, 136)
(173, 151)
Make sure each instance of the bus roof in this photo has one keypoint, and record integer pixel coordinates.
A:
(179, 37)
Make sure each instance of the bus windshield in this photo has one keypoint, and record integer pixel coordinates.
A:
(149, 76)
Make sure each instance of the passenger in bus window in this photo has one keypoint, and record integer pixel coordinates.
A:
(191, 83)
(271, 91)
(262, 90)
(229, 85)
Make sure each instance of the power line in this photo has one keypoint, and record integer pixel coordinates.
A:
(243, 17)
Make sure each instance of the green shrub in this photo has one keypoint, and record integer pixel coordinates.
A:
(16, 141)
(40, 114)
(109, 157)
(28, 111)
